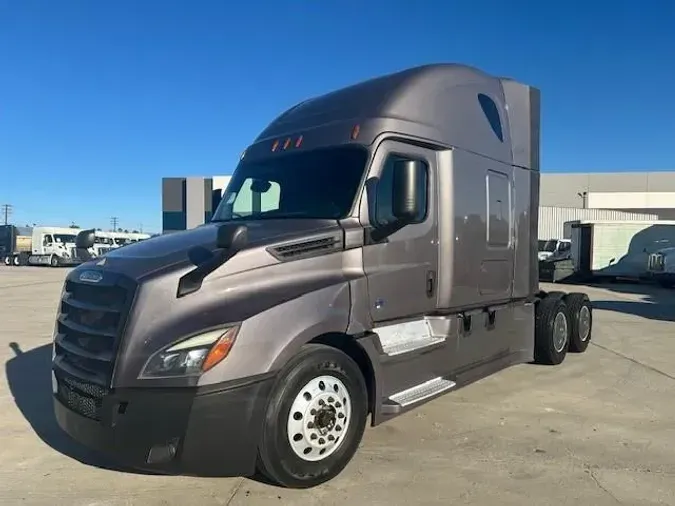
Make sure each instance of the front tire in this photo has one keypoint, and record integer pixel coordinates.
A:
(54, 261)
(315, 419)
(552, 331)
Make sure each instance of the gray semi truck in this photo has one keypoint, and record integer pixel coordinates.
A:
(375, 248)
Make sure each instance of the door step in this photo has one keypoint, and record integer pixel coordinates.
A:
(410, 336)
(416, 394)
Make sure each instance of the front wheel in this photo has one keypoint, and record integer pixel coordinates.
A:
(315, 419)
(54, 261)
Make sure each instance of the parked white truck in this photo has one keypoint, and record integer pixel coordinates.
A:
(52, 246)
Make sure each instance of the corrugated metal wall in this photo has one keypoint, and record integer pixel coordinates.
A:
(552, 219)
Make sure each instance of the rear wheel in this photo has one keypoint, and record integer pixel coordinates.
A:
(552, 331)
(581, 321)
(315, 419)
(16, 260)
(8, 261)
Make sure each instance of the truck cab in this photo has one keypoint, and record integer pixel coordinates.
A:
(374, 249)
(555, 249)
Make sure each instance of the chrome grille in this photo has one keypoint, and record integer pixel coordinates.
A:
(656, 262)
(89, 328)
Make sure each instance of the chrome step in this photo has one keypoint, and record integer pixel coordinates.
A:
(412, 345)
(422, 391)
(409, 336)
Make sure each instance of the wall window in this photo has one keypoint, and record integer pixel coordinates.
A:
(492, 114)
(383, 208)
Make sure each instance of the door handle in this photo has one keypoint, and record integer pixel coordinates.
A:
(431, 283)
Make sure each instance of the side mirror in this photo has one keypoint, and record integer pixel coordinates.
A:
(83, 242)
(85, 239)
(409, 175)
(232, 237)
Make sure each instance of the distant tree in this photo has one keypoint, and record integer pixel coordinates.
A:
(134, 231)
(119, 230)
(126, 231)
(72, 225)
(99, 230)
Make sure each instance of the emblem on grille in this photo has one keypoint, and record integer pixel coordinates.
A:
(91, 276)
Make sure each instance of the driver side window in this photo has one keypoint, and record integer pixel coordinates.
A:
(47, 240)
(244, 201)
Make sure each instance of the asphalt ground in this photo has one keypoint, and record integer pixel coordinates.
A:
(597, 430)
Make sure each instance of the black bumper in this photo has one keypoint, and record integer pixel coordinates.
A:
(214, 432)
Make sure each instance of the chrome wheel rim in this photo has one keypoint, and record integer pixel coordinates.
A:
(319, 418)
(584, 323)
(560, 332)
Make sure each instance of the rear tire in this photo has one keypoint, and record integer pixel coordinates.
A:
(8, 261)
(580, 313)
(315, 419)
(551, 331)
(16, 260)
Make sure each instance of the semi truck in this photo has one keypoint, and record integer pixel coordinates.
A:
(52, 246)
(386, 255)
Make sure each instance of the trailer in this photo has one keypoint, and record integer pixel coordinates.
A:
(609, 249)
(375, 248)
(50, 246)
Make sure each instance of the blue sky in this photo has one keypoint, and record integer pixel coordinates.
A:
(100, 100)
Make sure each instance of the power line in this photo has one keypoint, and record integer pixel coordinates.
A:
(6, 211)
(113, 223)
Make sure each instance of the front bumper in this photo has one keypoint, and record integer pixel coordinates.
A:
(193, 431)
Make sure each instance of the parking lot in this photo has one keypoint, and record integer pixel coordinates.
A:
(597, 430)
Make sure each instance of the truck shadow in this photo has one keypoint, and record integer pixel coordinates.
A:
(29, 378)
(655, 303)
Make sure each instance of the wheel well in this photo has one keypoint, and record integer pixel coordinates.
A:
(348, 345)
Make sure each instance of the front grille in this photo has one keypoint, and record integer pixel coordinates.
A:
(89, 329)
(656, 262)
(82, 397)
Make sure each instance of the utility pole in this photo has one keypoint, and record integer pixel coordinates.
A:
(6, 211)
(113, 223)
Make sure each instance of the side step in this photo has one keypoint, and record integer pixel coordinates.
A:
(416, 394)
(414, 335)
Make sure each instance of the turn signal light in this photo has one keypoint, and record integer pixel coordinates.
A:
(221, 349)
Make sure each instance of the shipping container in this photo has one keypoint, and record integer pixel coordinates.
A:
(552, 219)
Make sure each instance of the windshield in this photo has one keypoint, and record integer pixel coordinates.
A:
(319, 184)
(548, 246)
(64, 238)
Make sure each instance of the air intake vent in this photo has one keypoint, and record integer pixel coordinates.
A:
(307, 248)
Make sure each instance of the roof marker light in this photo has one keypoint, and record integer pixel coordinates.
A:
(287, 143)
(275, 145)
(355, 132)
(298, 142)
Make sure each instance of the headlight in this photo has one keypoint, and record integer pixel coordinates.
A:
(192, 356)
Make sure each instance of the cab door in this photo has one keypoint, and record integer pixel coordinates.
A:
(402, 268)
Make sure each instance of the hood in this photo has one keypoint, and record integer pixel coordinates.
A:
(170, 251)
